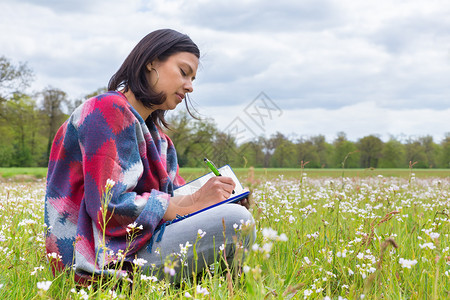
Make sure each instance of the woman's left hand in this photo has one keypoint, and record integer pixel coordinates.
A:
(245, 202)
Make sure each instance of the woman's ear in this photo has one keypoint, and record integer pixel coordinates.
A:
(152, 65)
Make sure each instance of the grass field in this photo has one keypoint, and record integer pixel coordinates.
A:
(10, 173)
(272, 173)
(362, 235)
(24, 174)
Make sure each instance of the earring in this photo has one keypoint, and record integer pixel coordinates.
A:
(157, 76)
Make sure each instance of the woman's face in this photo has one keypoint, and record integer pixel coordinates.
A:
(175, 78)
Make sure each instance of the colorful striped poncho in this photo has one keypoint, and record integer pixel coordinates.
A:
(105, 138)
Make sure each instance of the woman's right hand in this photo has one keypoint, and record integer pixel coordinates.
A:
(216, 189)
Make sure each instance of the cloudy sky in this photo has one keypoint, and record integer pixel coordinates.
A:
(302, 68)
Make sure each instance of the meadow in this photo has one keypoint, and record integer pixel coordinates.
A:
(340, 235)
(29, 174)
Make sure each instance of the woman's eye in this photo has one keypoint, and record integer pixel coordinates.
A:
(182, 72)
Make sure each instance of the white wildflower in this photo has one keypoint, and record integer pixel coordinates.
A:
(37, 269)
(148, 278)
(314, 235)
(307, 293)
(307, 261)
(407, 263)
(201, 233)
(427, 245)
(26, 222)
(269, 233)
(434, 235)
(184, 249)
(113, 294)
(110, 183)
(44, 285)
(283, 237)
(133, 226)
(84, 295)
(267, 247)
(202, 290)
(139, 262)
(54, 255)
(170, 271)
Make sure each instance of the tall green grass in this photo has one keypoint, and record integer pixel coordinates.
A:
(372, 237)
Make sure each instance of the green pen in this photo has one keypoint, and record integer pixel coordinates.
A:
(213, 168)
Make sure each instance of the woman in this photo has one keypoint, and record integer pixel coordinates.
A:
(112, 152)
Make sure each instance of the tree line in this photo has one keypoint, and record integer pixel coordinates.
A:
(197, 138)
(28, 124)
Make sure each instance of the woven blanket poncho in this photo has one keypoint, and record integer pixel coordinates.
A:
(105, 138)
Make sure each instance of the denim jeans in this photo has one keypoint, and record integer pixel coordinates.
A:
(219, 225)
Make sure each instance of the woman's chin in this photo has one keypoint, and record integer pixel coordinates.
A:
(172, 107)
(176, 104)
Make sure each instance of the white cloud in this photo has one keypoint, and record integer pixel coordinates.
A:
(356, 121)
(379, 60)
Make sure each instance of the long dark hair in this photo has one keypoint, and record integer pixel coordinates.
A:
(159, 44)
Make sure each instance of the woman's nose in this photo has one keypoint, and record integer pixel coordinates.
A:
(189, 88)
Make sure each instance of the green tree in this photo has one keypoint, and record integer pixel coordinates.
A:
(21, 120)
(224, 149)
(194, 139)
(268, 147)
(52, 108)
(6, 144)
(307, 152)
(445, 154)
(370, 148)
(323, 149)
(345, 149)
(281, 151)
(393, 155)
(252, 154)
(13, 77)
(415, 152)
(180, 133)
(431, 150)
(72, 105)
